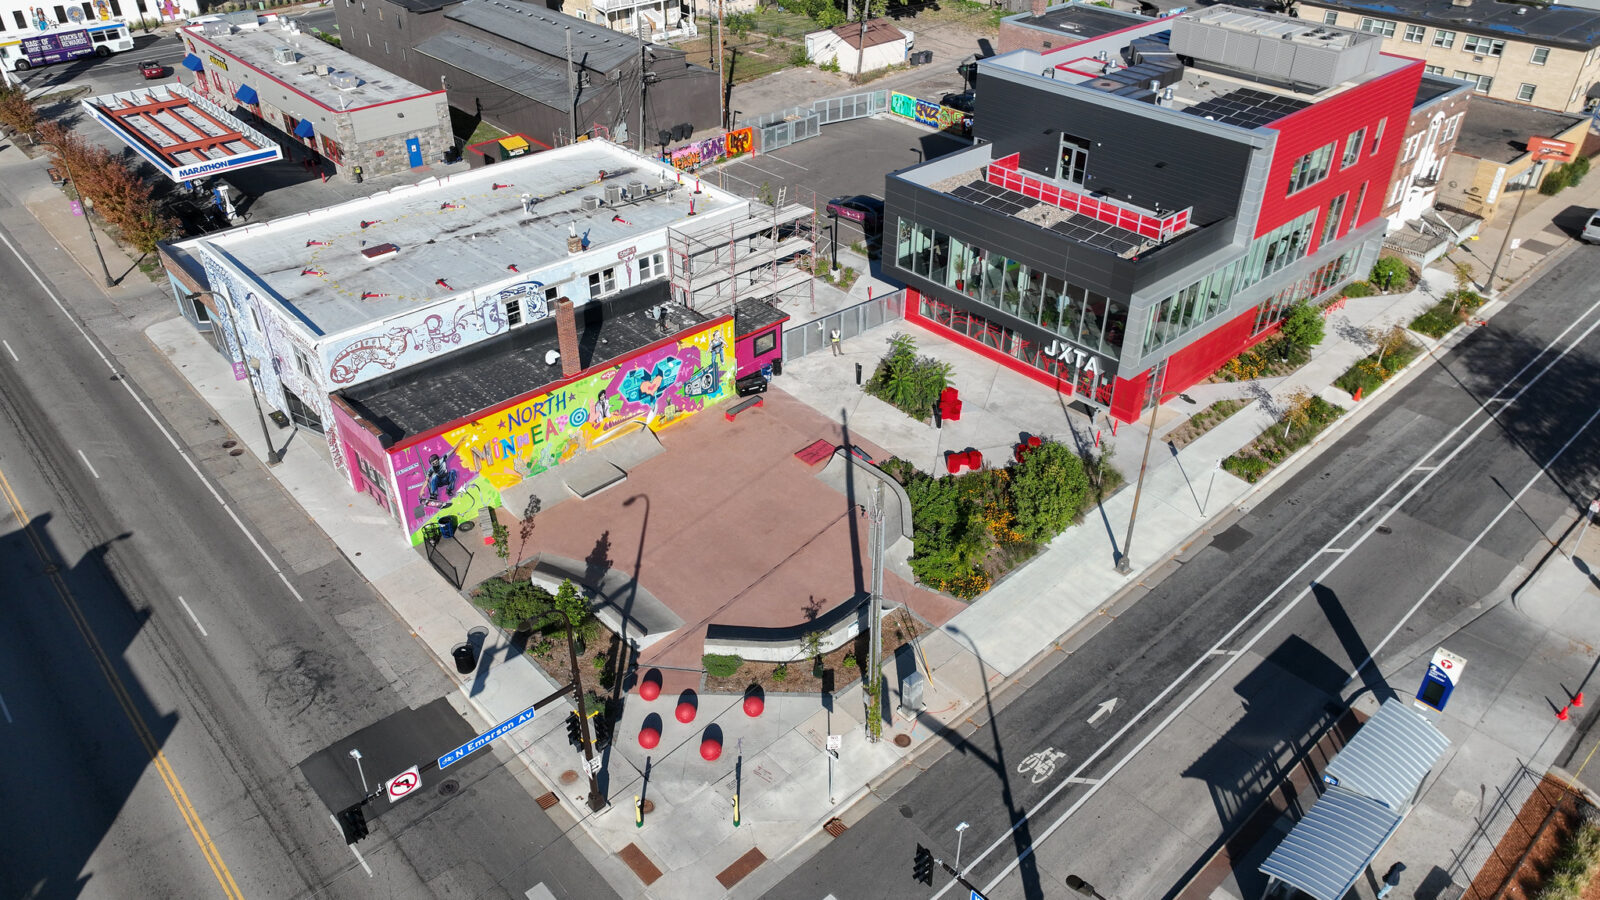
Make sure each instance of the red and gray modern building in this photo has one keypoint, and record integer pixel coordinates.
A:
(1142, 206)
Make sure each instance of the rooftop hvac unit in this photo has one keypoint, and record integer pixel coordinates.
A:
(635, 189)
(344, 81)
(324, 70)
(215, 29)
(285, 55)
(590, 204)
(613, 194)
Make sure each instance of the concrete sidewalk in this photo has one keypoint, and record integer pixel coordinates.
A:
(781, 770)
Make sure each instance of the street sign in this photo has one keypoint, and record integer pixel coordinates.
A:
(1547, 150)
(403, 785)
(835, 741)
(592, 765)
(483, 740)
(1443, 675)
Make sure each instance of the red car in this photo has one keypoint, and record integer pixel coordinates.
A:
(151, 70)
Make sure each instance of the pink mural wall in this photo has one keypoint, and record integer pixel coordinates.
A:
(752, 351)
(366, 462)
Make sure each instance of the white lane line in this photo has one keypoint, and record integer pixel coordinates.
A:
(11, 351)
(785, 162)
(149, 413)
(1334, 550)
(193, 617)
(1510, 505)
(359, 857)
(90, 465)
(1293, 578)
(5, 709)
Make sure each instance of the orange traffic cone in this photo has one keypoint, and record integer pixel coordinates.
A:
(1562, 715)
(1357, 396)
(1578, 700)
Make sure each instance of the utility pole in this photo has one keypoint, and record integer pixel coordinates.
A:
(861, 49)
(644, 48)
(722, 78)
(596, 801)
(875, 627)
(572, 88)
(1533, 182)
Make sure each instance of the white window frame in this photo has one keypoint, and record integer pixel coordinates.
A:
(1377, 138)
(1527, 89)
(603, 283)
(1433, 70)
(1444, 39)
(652, 266)
(1539, 57)
(303, 363)
(1377, 26)
(1414, 34)
(1413, 143)
(1451, 125)
(1478, 45)
(1329, 17)
(1352, 148)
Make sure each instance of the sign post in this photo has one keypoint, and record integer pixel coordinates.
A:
(1443, 674)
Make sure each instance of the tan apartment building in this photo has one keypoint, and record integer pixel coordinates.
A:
(1540, 56)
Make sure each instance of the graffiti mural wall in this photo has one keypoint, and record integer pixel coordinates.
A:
(464, 469)
(929, 113)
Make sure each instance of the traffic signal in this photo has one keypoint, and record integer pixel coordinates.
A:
(602, 732)
(574, 731)
(353, 822)
(922, 866)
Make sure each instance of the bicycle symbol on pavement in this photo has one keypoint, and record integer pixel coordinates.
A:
(1041, 763)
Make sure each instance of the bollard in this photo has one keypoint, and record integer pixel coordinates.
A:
(685, 712)
(638, 811)
(710, 749)
(649, 737)
(858, 374)
(754, 705)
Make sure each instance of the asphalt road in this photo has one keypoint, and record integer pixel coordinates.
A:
(180, 639)
(1419, 511)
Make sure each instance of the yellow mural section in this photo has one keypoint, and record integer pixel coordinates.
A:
(651, 390)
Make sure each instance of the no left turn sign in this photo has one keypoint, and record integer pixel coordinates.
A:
(403, 784)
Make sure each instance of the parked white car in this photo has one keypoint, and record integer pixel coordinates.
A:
(1591, 229)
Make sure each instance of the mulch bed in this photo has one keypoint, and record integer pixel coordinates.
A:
(898, 630)
(1542, 847)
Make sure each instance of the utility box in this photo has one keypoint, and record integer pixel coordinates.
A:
(911, 691)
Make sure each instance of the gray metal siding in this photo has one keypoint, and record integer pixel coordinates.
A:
(403, 117)
(1136, 158)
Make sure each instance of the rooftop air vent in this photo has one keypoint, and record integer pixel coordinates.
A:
(215, 29)
(285, 55)
(344, 81)
(324, 70)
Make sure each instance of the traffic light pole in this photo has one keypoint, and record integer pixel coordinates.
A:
(596, 801)
(977, 894)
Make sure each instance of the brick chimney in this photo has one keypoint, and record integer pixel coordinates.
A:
(567, 338)
(1039, 6)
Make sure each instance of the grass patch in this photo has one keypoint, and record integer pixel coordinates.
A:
(66, 95)
(721, 665)
(1374, 369)
(1574, 866)
(1439, 319)
(1274, 445)
(471, 129)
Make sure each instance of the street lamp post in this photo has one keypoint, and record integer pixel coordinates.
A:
(274, 456)
(961, 828)
(1124, 561)
(356, 755)
(833, 241)
(88, 206)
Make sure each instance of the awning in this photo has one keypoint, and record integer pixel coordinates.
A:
(246, 95)
(193, 63)
(1336, 841)
(304, 129)
(1389, 757)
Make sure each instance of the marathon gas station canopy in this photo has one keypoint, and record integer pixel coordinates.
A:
(185, 136)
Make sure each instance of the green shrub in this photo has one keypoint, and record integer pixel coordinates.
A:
(513, 604)
(1389, 274)
(721, 665)
(1358, 289)
(1250, 468)
(1572, 870)
(831, 65)
(1436, 321)
(1047, 490)
(1302, 325)
(1554, 183)
(781, 673)
(849, 662)
(799, 57)
(906, 381)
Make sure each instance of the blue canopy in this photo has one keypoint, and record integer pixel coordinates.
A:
(193, 63)
(304, 129)
(246, 95)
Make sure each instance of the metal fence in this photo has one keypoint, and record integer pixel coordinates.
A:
(813, 336)
(776, 130)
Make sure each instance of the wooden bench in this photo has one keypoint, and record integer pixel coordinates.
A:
(737, 408)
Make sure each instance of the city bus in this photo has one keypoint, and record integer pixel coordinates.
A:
(40, 35)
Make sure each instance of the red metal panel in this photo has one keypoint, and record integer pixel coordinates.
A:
(1387, 98)
(1127, 397)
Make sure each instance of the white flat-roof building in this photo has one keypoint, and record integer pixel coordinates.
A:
(347, 111)
(341, 295)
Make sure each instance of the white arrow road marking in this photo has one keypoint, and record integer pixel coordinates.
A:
(1103, 710)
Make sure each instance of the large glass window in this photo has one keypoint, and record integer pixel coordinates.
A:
(1482, 46)
(1074, 158)
(1414, 34)
(1311, 168)
(1377, 26)
(1444, 39)
(1330, 225)
(1352, 148)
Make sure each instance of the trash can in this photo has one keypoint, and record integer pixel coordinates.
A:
(447, 527)
(466, 657)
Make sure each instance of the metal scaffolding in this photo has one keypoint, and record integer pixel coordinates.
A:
(766, 255)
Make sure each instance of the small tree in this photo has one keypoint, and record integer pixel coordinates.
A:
(1389, 273)
(1302, 325)
(1387, 340)
(1048, 488)
(1296, 410)
(513, 604)
(572, 605)
(502, 541)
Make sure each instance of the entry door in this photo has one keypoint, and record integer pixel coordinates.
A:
(414, 148)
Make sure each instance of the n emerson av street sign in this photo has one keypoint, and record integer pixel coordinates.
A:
(483, 740)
